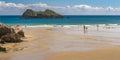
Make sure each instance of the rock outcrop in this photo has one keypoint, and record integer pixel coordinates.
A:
(21, 33)
(29, 13)
(11, 38)
(8, 35)
(5, 30)
(2, 49)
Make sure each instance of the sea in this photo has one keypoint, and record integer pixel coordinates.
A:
(66, 20)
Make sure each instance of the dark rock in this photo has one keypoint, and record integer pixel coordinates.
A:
(11, 38)
(2, 42)
(29, 13)
(21, 33)
(8, 35)
(2, 49)
(5, 30)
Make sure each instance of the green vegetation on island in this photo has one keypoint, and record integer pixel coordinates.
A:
(29, 13)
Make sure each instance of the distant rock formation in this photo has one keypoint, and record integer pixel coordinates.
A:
(29, 13)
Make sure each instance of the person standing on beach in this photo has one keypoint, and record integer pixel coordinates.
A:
(85, 29)
(25, 26)
(97, 27)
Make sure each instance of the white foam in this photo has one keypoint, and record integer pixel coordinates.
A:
(113, 24)
(101, 24)
(35, 26)
(68, 26)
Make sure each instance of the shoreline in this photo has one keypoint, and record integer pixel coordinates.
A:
(54, 25)
(47, 25)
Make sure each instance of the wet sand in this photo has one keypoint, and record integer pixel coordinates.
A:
(66, 44)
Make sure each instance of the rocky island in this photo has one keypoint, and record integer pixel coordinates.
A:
(29, 13)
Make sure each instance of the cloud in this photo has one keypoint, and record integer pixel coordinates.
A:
(11, 5)
(82, 9)
(87, 7)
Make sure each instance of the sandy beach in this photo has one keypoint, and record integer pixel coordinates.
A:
(59, 29)
(66, 43)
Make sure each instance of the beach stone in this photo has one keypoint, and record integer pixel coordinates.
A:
(8, 35)
(21, 33)
(2, 42)
(5, 30)
(11, 38)
(2, 49)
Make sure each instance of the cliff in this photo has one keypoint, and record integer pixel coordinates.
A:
(29, 13)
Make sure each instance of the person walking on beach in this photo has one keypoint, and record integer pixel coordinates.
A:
(97, 27)
(25, 26)
(85, 29)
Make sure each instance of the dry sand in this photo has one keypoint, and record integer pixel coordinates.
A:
(101, 54)
(65, 44)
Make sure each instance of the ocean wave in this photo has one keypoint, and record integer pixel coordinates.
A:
(34, 26)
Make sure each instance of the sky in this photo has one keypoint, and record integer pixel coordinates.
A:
(65, 7)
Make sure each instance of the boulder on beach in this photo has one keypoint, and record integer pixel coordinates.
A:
(2, 42)
(2, 49)
(11, 38)
(6, 30)
(21, 33)
(29, 13)
(8, 35)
